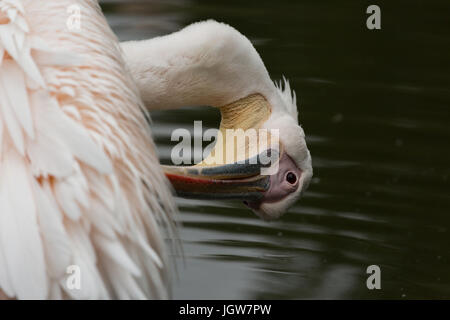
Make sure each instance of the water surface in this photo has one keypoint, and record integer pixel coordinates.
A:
(375, 109)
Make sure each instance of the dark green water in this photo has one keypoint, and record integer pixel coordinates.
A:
(375, 109)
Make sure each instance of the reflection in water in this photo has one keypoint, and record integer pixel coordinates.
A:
(374, 106)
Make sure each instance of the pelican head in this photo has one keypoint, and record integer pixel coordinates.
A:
(294, 169)
(211, 63)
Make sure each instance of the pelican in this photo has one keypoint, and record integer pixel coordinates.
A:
(81, 187)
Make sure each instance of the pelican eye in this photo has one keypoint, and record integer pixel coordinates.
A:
(291, 178)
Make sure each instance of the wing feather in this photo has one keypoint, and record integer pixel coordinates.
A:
(19, 231)
(55, 238)
(13, 83)
(80, 182)
(9, 119)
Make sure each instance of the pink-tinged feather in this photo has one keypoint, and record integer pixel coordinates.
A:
(80, 183)
(55, 238)
(13, 84)
(9, 119)
(19, 231)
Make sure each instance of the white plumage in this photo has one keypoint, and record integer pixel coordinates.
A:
(80, 183)
(77, 184)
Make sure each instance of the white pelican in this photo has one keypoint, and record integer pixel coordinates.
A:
(80, 184)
